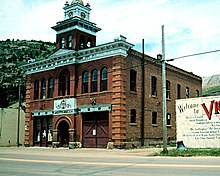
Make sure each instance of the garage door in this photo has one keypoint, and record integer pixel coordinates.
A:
(95, 130)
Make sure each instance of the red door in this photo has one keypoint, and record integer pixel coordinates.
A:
(95, 130)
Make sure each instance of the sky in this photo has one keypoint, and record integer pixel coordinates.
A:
(190, 26)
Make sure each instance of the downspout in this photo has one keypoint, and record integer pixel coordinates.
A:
(142, 94)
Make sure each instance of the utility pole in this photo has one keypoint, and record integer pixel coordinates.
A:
(19, 105)
(164, 94)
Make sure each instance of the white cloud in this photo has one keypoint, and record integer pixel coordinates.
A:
(190, 26)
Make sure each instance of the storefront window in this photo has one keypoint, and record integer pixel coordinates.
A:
(43, 131)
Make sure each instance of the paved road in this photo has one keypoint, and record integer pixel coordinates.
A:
(91, 162)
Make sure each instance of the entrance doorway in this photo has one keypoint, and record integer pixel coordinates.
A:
(95, 130)
(63, 136)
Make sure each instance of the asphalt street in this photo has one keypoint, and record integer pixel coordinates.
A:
(85, 162)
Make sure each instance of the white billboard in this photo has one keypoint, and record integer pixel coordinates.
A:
(198, 122)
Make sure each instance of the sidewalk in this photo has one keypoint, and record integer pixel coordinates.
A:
(80, 151)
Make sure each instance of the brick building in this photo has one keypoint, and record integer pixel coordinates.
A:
(90, 95)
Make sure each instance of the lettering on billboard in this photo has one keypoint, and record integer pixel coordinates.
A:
(198, 122)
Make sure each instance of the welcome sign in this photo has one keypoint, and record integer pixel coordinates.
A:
(198, 122)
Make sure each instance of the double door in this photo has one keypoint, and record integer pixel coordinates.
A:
(95, 130)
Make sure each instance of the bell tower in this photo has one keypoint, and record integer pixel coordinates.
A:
(76, 31)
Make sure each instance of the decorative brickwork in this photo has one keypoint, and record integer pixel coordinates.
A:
(118, 102)
(27, 111)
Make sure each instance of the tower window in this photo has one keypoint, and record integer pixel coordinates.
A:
(70, 41)
(43, 89)
(133, 116)
(82, 42)
(62, 42)
(94, 81)
(50, 87)
(36, 90)
(153, 86)
(85, 82)
(133, 75)
(89, 43)
(167, 89)
(104, 79)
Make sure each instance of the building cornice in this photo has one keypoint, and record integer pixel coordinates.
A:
(66, 57)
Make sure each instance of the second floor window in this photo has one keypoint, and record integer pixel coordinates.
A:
(168, 89)
(197, 93)
(104, 79)
(85, 82)
(187, 92)
(64, 83)
(94, 81)
(36, 90)
(133, 75)
(50, 87)
(153, 86)
(43, 89)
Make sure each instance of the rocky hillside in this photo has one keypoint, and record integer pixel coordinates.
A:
(211, 85)
(13, 54)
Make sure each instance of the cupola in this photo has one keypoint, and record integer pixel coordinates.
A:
(76, 31)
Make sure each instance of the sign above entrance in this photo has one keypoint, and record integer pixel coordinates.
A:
(65, 106)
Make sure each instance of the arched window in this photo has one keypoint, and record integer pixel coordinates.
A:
(43, 89)
(104, 79)
(64, 83)
(82, 42)
(85, 82)
(50, 87)
(70, 41)
(36, 90)
(62, 42)
(94, 81)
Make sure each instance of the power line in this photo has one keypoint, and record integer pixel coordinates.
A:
(190, 55)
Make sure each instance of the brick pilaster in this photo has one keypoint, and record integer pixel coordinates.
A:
(118, 102)
(27, 112)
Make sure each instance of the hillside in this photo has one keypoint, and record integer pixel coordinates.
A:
(13, 54)
(211, 85)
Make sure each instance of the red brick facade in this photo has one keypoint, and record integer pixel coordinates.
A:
(71, 101)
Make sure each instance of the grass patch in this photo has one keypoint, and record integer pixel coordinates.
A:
(190, 152)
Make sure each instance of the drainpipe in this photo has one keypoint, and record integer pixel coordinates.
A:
(142, 94)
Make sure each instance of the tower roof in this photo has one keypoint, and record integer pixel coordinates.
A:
(77, 1)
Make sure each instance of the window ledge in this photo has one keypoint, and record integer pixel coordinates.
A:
(133, 92)
(133, 124)
(154, 125)
(169, 126)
